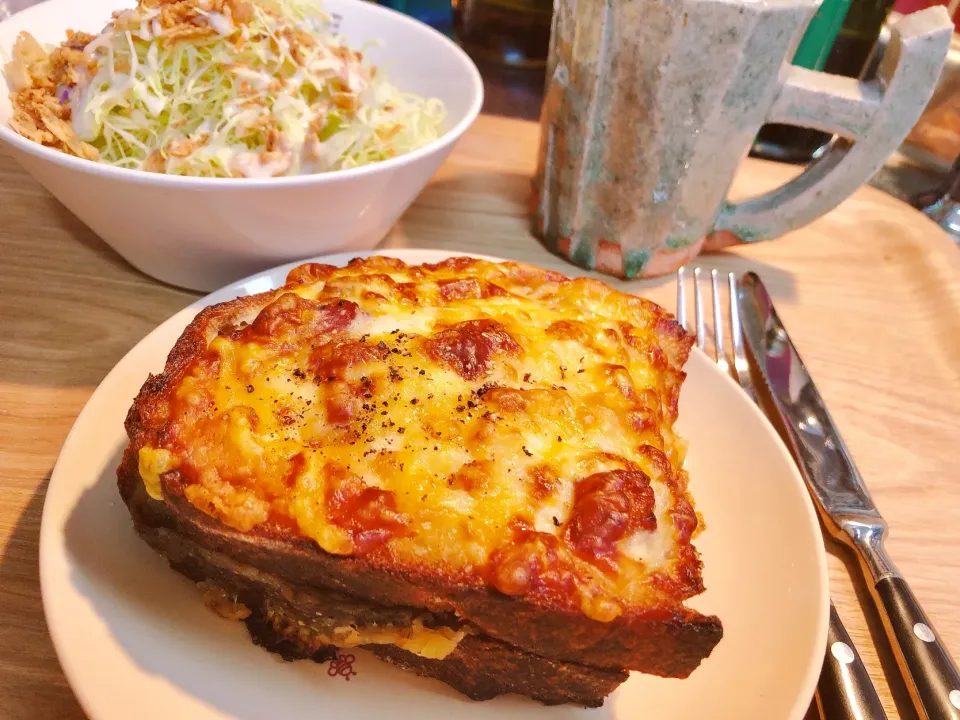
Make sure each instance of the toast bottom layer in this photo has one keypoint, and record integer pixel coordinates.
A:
(293, 621)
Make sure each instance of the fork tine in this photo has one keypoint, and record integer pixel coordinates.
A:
(720, 353)
(681, 300)
(698, 311)
(740, 362)
(738, 352)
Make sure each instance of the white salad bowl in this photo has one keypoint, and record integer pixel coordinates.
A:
(201, 233)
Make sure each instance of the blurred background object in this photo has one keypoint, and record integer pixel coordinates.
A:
(9, 7)
(510, 32)
(935, 141)
(944, 207)
(436, 13)
(847, 53)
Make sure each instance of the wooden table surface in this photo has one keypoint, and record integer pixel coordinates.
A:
(871, 294)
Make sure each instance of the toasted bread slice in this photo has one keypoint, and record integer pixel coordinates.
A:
(489, 441)
(299, 622)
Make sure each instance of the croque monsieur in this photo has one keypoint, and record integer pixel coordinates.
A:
(468, 469)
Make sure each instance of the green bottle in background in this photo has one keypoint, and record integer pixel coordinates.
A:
(817, 41)
(838, 40)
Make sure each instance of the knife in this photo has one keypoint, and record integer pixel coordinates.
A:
(845, 506)
(844, 690)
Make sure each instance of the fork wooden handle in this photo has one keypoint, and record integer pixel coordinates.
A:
(845, 691)
(932, 677)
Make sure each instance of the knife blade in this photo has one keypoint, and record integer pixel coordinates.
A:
(845, 506)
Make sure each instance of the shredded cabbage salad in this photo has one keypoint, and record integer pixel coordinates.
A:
(217, 88)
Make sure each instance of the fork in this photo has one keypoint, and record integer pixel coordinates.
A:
(844, 691)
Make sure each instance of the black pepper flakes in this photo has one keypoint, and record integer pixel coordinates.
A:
(401, 430)
(559, 439)
(299, 374)
(414, 401)
(423, 372)
(527, 452)
(556, 523)
(249, 388)
(526, 377)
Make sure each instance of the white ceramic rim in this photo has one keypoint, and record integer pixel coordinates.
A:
(49, 544)
(199, 183)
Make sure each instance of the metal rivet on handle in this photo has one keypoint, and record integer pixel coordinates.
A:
(955, 698)
(842, 652)
(922, 631)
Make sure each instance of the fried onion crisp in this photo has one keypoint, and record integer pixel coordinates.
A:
(38, 114)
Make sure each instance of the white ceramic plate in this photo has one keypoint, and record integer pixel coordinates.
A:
(136, 641)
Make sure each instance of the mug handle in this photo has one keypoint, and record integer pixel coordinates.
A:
(872, 119)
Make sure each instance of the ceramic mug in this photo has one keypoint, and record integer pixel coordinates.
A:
(651, 106)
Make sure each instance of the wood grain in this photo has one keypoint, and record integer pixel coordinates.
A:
(870, 293)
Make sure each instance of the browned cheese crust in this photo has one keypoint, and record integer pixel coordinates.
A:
(487, 441)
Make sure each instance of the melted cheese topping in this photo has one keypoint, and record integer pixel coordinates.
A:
(506, 424)
(430, 643)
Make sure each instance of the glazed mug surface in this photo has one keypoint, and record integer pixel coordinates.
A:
(651, 105)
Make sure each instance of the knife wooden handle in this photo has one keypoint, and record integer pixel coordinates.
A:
(845, 690)
(931, 675)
